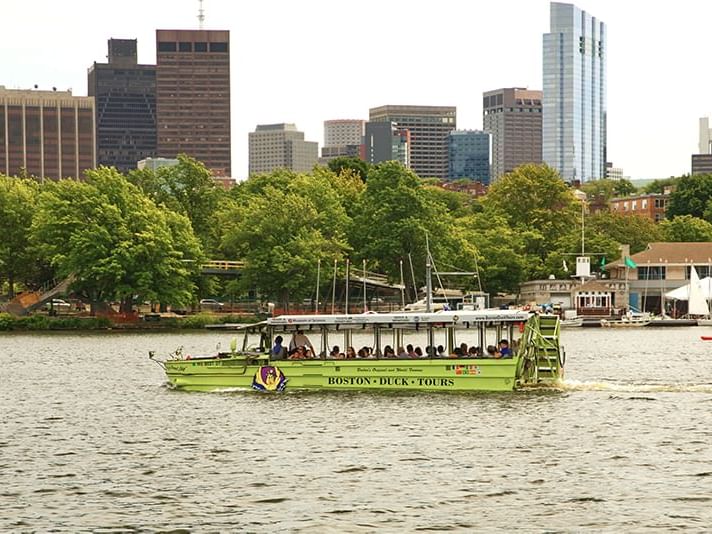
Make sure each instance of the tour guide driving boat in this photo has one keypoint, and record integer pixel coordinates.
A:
(537, 358)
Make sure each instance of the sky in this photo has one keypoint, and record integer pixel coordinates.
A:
(314, 60)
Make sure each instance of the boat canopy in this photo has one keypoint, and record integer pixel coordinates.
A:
(443, 318)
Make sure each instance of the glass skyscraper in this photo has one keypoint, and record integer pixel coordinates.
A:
(469, 155)
(574, 103)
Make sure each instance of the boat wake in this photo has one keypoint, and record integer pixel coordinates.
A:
(634, 387)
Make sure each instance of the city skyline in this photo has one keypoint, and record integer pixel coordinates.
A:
(304, 69)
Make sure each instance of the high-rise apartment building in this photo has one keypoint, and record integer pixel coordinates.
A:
(193, 96)
(281, 146)
(574, 104)
(125, 95)
(469, 155)
(48, 134)
(512, 116)
(429, 127)
(384, 141)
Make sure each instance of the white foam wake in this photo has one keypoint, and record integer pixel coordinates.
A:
(578, 385)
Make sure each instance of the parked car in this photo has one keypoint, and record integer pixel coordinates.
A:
(211, 304)
(58, 304)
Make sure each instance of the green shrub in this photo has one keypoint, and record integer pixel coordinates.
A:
(6, 321)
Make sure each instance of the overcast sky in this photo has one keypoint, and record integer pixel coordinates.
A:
(314, 60)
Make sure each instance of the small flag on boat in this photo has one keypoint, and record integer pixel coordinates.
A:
(566, 267)
(269, 378)
(630, 263)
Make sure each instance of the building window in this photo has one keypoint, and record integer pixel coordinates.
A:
(702, 271)
(218, 47)
(652, 272)
(165, 46)
(185, 47)
(201, 47)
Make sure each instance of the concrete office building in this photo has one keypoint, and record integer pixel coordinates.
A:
(342, 132)
(574, 103)
(705, 144)
(428, 127)
(125, 95)
(281, 146)
(701, 163)
(469, 155)
(512, 116)
(193, 96)
(342, 138)
(384, 141)
(48, 134)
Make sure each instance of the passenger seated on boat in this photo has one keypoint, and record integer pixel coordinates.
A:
(278, 352)
(463, 350)
(492, 352)
(402, 353)
(350, 353)
(298, 353)
(456, 353)
(474, 352)
(335, 352)
(388, 352)
(429, 352)
(410, 351)
(441, 352)
(300, 340)
(504, 350)
(362, 353)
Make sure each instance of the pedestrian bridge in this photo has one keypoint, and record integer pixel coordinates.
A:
(222, 267)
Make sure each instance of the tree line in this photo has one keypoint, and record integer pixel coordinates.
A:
(143, 236)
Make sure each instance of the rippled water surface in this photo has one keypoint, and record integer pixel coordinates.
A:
(92, 440)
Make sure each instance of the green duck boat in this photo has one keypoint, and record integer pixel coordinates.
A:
(524, 350)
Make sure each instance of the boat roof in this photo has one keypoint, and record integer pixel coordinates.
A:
(453, 317)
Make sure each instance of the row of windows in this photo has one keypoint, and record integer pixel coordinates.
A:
(187, 46)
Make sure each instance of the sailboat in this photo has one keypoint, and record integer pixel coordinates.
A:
(697, 300)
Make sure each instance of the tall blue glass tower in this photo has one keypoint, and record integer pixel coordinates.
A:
(574, 102)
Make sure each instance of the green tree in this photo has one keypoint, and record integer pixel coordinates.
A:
(607, 189)
(660, 185)
(17, 204)
(355, 165)
(690, 196)
(115, 240)
(635, 231)
(539, 205)
(686, 228)
(499, 249)
(395, 214)
(187, 188)
(281, 225)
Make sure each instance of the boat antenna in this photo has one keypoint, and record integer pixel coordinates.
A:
(333, 290)
(412, 274)
(365, 309)
(348, 273)
(402, 284)
(318, 276)
(428, 279)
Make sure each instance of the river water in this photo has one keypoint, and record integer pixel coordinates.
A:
(91, 440)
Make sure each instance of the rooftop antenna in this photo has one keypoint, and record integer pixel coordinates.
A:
(201, 14)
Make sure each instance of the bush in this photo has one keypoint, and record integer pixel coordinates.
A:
(42, 322)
